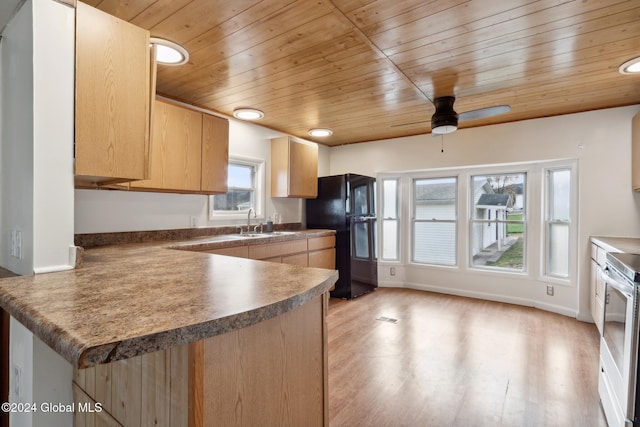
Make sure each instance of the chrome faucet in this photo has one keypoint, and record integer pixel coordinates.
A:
(249, 218)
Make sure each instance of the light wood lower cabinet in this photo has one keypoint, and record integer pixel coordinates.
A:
(322, 252)
(273, 373)
(312, 252)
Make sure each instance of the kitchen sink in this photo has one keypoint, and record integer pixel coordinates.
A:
(250, 235)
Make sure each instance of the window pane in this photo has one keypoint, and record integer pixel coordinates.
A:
(560, 194)
(234, 200)
(558, 250)
(240, 176)
(494, 193)
(498, 244)
(498, 221)
(390, 239)
(558, 222)
(390, 191)
(435, 198)
(435, 243)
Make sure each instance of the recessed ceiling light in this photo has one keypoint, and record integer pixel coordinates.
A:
(247, 114)
(169, 53)
(632, 66)
(320, 132)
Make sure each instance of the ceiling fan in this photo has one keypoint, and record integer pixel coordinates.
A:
(445, 119)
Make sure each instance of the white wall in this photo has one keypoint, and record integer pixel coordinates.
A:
(600, 140)
(99, 211)
(17, 140)
(53, 134)
(36, 194)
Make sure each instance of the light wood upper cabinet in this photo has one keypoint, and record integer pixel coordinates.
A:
(189, 151)
(215, 154)
(176, 148)
(114, 75)
(635, 152)
(294, 168)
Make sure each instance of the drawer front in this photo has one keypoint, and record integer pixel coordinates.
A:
(324, 242)
(237, 251)
(325, 258)
(601, 256)
(297, 259)
(270, 250)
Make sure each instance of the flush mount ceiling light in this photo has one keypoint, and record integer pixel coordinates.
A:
(247, 114)
(320, 132)
(632, 66)
(169, 53)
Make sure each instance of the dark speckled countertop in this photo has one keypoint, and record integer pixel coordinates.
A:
(132, 299)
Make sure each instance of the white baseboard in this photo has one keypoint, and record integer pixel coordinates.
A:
(484, 296)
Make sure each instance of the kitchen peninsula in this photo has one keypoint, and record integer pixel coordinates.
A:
(180, 337)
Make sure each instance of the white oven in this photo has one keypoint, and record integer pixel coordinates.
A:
(618, 383)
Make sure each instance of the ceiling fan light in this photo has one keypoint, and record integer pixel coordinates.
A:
(631, 66)
(445, 119)
(442, 129)
(247, 114)
(320, 132)
(168, 52)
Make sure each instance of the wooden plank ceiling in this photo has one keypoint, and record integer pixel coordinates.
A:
(369, 69)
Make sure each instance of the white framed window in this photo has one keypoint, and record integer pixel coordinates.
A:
(514, 219)
(558, 221)
(498, 221)
(245, 190)
(390, 219)
(435, 220)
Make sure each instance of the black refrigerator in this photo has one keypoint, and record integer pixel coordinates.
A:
(346, 203)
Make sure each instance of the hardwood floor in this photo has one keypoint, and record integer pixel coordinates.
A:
(453, 361)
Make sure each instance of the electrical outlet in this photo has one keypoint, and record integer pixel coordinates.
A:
(15, 244)
(12, 243)
(17, 381)
(18, 244)
(550, 290)
(392, 271)
(192, 221)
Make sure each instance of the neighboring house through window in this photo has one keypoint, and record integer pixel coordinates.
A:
(498, 221)
(435, 220)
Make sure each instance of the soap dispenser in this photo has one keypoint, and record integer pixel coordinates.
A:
(269, 226)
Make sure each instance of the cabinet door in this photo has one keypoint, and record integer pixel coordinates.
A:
(325, 258)
(303, 170)
(215, 154)
(294, 168)
(236, 251)
(596, 295)
(175, 150)
(297, 259)
(113, 82)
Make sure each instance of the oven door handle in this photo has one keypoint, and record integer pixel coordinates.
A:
(611, 279)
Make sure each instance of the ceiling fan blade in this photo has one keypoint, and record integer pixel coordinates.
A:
(482, 113)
